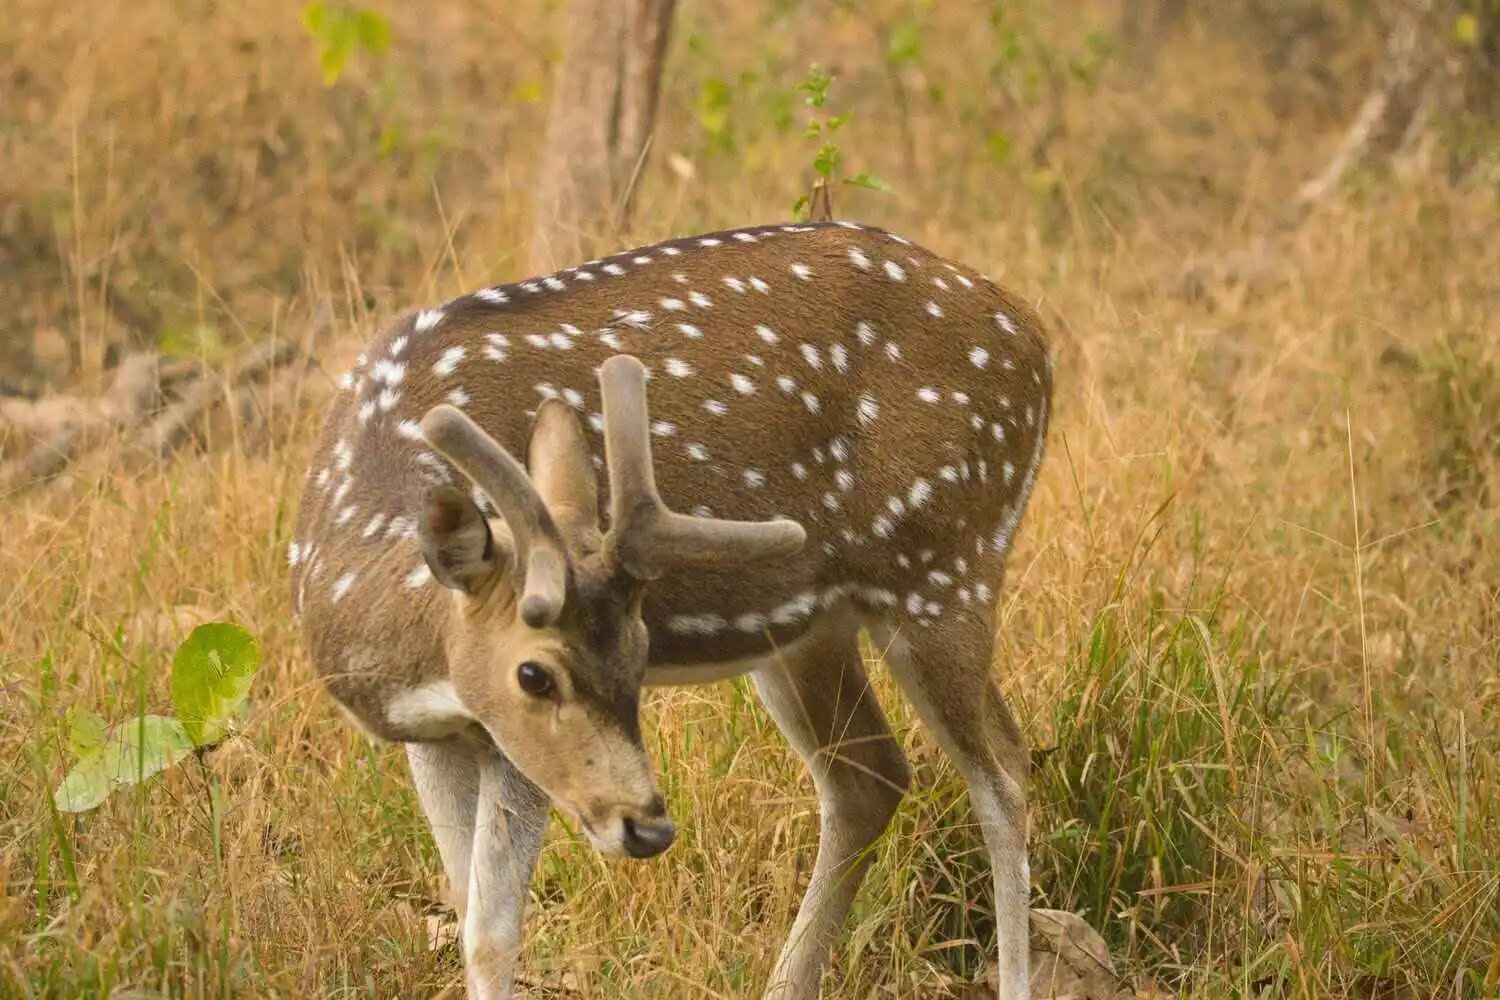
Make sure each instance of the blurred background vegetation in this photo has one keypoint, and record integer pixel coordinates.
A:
(1253, 621)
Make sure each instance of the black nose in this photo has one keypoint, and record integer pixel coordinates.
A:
(646, 838)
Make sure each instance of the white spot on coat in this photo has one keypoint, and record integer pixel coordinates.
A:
(447, 363)
(389, 372)
(706, 624)
(920, 493)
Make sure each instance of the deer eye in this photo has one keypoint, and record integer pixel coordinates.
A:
(534, 679)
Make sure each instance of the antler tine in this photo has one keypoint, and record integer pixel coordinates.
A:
(541, 556)
(645, 537)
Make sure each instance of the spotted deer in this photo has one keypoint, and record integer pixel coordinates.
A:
(843, 431)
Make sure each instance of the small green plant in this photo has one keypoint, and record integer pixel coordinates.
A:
(211, 676)
(1466, 30)
(829, 157)
(340, 32)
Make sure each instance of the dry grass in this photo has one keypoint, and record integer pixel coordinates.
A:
(1255, 603)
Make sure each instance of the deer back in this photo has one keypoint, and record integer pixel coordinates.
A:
(892, 402)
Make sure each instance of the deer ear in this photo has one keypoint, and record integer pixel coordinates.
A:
(559, 463)
(456, 541)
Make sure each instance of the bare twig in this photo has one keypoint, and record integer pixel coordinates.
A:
(1398, 71)
(1403, 73)
(41, 463)
(820, 202)
(162, 436)
(61, 430)
(63, 427)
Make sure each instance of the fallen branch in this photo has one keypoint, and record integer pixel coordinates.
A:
(1401, 86)
(1398, 72)
(162, 436)
(62, 430)
(62, 427)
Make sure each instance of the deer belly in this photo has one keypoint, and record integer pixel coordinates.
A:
(688, 670)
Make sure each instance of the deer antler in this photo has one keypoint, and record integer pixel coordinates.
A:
(646, 537)
(541, 556)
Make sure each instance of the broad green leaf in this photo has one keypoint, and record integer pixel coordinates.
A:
(86, 785)
(331, 61)
(211, 676)
(528, 92)
(133, 752)
(315, 18)
(1466, 30)
(868, 180)
(828, 160)
(906, 43)
(998, 144)
(374, 31)
(86, 731)
(193, 342)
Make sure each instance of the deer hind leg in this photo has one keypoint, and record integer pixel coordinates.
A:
(945, 671)
(821, 701)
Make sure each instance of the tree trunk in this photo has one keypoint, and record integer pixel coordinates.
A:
(603, 111)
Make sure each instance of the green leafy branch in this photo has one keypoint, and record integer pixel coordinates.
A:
(829, 158)
(211, 676)
(340, 32)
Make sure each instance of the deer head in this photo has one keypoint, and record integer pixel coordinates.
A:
(546, 644)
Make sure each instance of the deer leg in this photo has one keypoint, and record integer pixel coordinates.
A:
(944, 669)
(446, 776)
(820, 699)
(509, 821)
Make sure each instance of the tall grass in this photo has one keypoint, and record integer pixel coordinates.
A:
(1251, 623)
